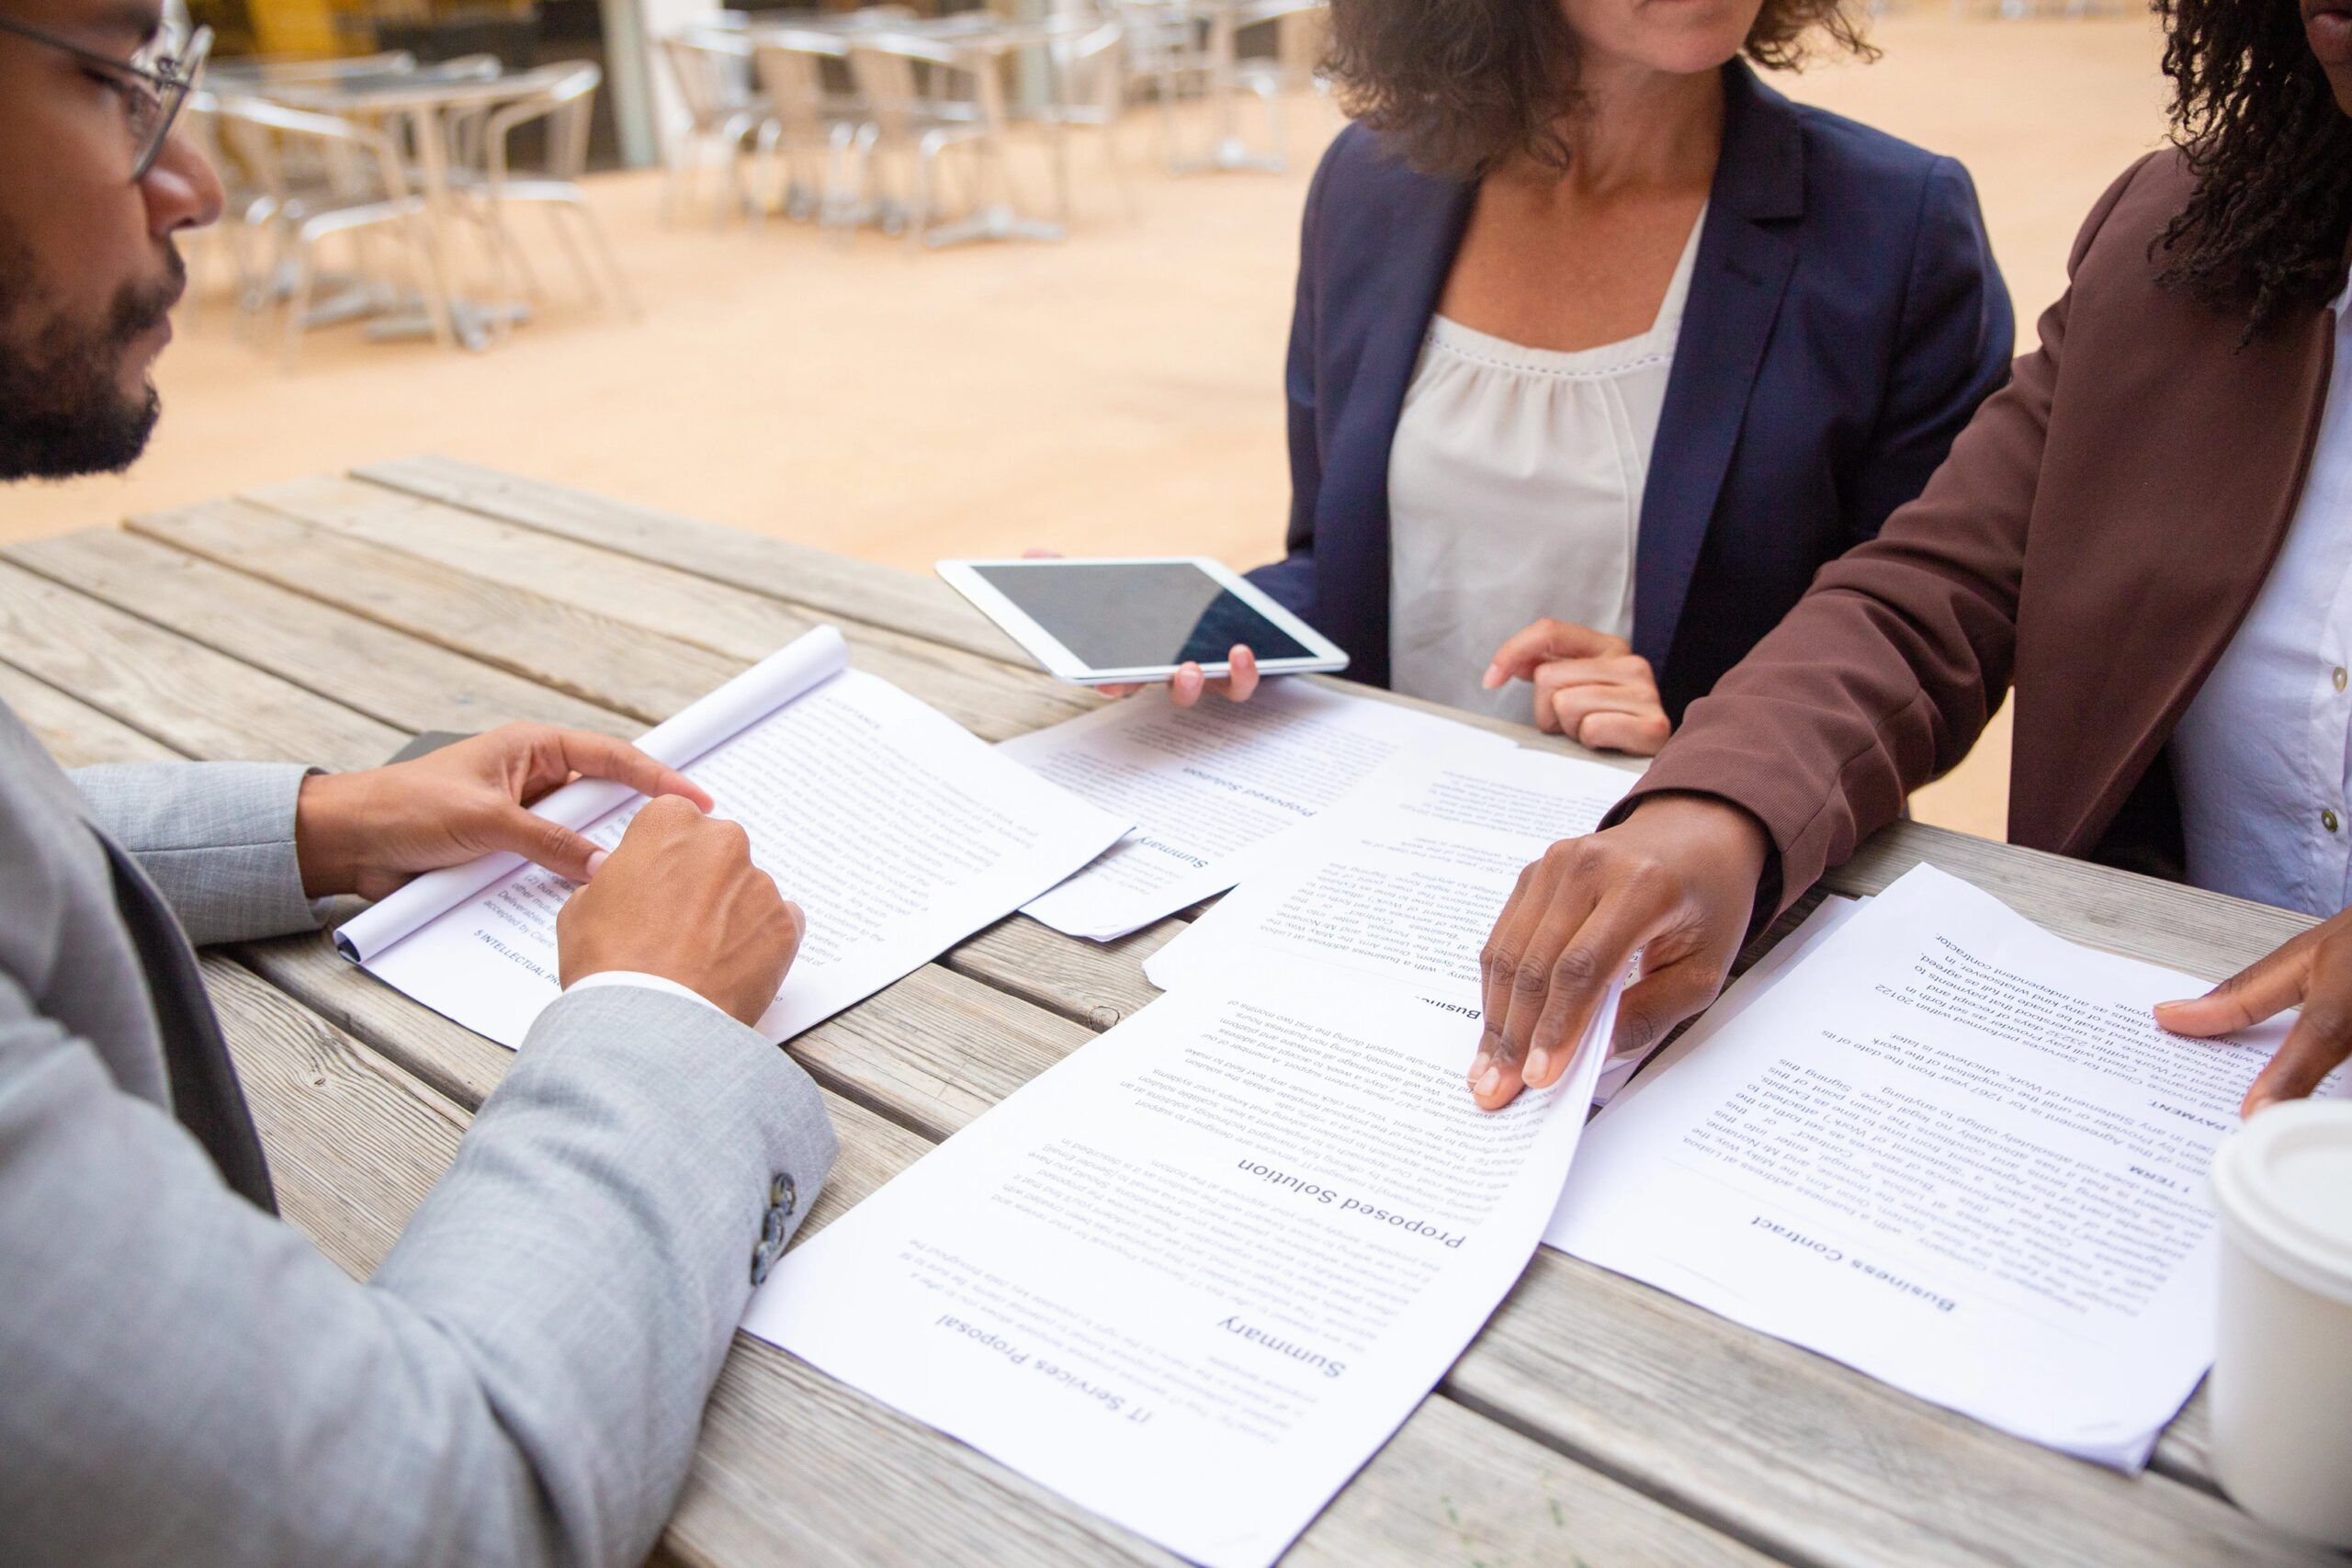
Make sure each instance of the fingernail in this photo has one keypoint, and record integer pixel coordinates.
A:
(1489, 1081)
(597, 863)
(2256, 1107)
(1481, 1065)
(1492, 678)
(1537, 1060)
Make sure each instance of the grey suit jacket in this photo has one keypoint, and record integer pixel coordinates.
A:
(185, 1379)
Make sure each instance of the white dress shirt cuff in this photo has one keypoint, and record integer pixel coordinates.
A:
(645, 981)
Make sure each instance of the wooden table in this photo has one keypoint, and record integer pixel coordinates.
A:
(1593, 1421)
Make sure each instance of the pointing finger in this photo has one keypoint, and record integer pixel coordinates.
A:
(542, 842)
(601, 757)
(2263, 989)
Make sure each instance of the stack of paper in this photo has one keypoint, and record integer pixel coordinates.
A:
(897, 831)
(1947, 1148)
(1193, 1275)
(1210, 789)
(1402, 883)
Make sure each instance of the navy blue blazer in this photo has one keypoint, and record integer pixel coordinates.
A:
(1844, 320)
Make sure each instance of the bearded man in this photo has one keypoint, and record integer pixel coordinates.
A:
(183, 1379)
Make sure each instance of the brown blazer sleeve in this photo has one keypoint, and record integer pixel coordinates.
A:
(1886, 672)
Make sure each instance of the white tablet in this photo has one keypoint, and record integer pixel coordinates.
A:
(1139, 617)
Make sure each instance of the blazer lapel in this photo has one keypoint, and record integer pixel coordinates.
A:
(1746, 256)
(206, 1097)
(1401, 251)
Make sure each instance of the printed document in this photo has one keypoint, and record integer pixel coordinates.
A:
(1194, 1274)
(1948, 1149)
(1210, 786)
(897, 831)
(1402, 882)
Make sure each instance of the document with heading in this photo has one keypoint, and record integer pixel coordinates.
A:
(1950, 1150)
(897, 831)
(1209, 786)
(1402, 882)
(1193, 1275)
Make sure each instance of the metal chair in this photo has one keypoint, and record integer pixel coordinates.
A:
(1165, 46)
(365, 188)
(563, 97)
(811, 132)
(914, 120)
(711, 68)
(1091, 93)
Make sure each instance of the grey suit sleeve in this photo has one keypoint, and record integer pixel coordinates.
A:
(190, 1383)
(216, 837)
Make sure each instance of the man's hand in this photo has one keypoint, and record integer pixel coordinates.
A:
(368, 832)
(1590, 686)
(680, 898)
(2313, 972)
(1675, 882)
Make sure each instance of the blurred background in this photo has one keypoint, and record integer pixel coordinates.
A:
(901, 283)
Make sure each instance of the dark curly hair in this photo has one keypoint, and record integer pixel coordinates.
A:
(1463, 85)
(2252, 111)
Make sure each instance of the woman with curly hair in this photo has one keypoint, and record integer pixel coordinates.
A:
(1602, 347)
(2148, 533)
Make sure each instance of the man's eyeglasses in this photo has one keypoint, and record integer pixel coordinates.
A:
(154, 82)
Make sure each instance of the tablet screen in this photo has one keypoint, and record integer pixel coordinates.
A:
(1138, 614)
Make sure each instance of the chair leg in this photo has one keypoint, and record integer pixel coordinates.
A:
(920, 192)
(585, 216)
(834, 198)
(1112, 158)
(764, 170)
(297, 300)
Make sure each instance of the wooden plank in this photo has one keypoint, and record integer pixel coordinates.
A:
(527, 633)
(76, 734)
(2207, 934)
(353, 1143)
(457, 1064)
(1452, 1487)
(1095, 984)
(1810, 1460)
(930, 1052)
(986, 697)
(794, 1467)
(177, 691)
(403, 680)
(831, 583)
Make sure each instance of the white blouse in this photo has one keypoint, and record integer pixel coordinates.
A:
(1515, 493)
(2263, 757)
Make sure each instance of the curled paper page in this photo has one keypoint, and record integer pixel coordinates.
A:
(767, 686)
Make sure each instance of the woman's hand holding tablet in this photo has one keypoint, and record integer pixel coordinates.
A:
(1117, 623)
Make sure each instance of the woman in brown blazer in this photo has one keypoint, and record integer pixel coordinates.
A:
(2102, 537)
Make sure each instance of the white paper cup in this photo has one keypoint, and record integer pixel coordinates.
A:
(2282, 1366)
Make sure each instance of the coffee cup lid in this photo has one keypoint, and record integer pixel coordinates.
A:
(2282, 1182)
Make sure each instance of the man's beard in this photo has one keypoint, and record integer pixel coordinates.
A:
(62, 412)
